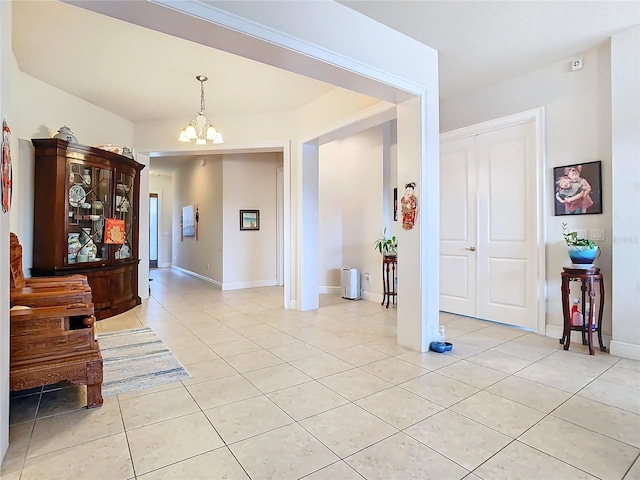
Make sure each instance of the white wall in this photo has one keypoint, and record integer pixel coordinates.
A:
(329, 113)
(163, 186)
(6, 110)
(578, 129)
(223, 254)
(201, 185)
(351, 208)
(44, 109)
(625, 184)
(249, 183)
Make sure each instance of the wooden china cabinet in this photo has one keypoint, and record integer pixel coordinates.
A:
(80, 192)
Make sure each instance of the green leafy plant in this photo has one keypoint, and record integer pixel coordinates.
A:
(386, 246)
(572, 238)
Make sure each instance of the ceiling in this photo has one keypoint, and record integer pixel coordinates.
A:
(141, 74)
(484, 42)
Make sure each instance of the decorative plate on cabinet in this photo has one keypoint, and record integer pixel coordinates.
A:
(110, 147)
(76, 195)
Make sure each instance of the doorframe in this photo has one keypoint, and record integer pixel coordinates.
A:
(536, 115)
(155, 195)
(280, 225)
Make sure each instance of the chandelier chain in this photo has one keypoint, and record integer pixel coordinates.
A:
(201, 97)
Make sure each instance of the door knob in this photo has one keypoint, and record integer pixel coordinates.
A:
(472, 249)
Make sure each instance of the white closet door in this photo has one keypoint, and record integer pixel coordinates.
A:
(458, 226)
(507, 213)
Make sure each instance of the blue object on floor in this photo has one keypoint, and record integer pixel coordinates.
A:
(441, 347)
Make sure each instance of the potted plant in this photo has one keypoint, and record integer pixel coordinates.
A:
(388, 247)
(582, 251)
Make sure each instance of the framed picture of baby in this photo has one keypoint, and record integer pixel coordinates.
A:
(577, 189)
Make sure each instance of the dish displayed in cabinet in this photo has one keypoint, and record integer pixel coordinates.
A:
(76, 195)
(122, 187)
(122, 204)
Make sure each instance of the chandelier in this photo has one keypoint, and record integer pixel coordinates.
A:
(201, 130)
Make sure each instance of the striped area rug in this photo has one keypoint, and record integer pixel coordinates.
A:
(136, 359)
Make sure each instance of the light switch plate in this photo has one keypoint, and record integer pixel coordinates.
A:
(596, 234)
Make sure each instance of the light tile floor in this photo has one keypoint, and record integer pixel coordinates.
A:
(328, 394)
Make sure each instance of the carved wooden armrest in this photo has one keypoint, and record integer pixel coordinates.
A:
(64, 279)
(51, 286)
(37, 313)
(46, 282)
(46, 297)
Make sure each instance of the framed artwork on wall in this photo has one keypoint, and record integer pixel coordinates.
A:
(578, 189)
(188, 221)
(249, 219)
(395, 204)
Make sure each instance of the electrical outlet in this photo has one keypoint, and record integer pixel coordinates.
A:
(367, 277)
(596, 234)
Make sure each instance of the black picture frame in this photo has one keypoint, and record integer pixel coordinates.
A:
(571, 181)
(395, 204)
(249, 219)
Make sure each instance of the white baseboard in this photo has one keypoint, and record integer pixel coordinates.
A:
(197, 275)
(555, 331)
(625, 350)
(328, 289)
(372, 297)
(229, 286)
(252, 284)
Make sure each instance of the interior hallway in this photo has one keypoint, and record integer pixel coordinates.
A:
(328, 394)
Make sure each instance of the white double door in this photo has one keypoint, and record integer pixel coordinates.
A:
(488, 225)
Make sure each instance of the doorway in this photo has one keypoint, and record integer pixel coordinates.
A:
(490, 223)
(153, 230)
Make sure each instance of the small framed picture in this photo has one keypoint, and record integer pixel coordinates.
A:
(577, 189)
(249, 219)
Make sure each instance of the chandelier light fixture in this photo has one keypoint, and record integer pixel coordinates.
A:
(201, 130)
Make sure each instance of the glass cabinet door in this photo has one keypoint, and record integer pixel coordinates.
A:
(124, 211)
(89, 202)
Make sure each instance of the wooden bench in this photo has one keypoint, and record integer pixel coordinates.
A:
(52, 334)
